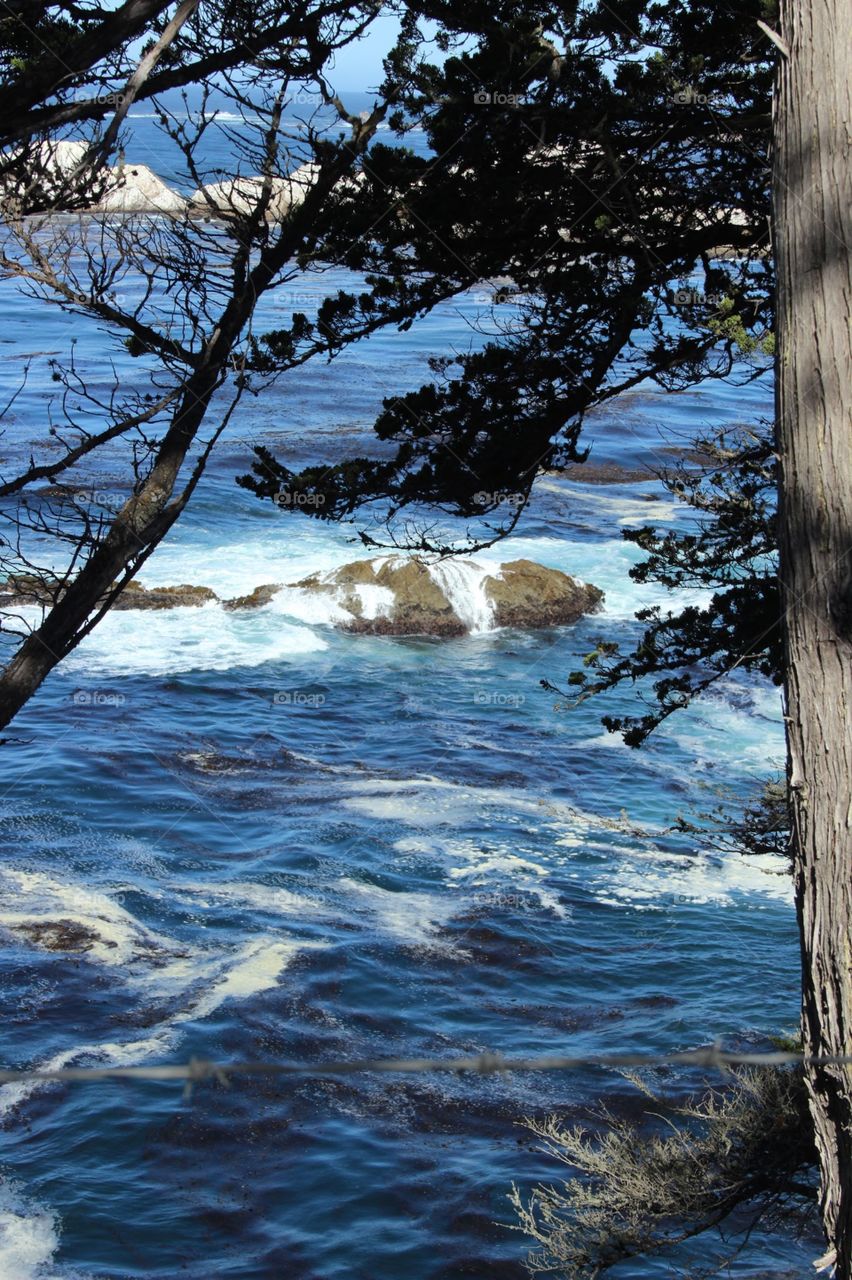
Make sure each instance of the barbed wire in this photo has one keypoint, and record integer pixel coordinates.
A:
(201, 1070)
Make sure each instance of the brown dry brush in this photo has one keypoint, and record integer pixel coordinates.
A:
(738, 1158)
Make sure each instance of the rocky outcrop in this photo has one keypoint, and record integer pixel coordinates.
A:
(29, 589)
(400, 596)
(603, 473)
(387, 596)
(237, 197)
(255, 599)
(525, 594)
(391, 597)
(135, 596)
(134, 188)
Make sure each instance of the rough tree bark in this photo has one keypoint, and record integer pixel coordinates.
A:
(813, 232)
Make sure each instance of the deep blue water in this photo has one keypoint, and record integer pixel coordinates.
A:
(295, 843)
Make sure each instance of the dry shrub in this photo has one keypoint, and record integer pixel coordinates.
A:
(741, 1154)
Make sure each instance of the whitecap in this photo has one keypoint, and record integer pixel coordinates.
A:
(39, 908)
(462, 583)
(29, 1236)
(411, 918)
(207, 638)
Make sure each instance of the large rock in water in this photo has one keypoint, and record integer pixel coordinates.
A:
(134, 188)
(401, 596)
(390, 596)
(238, 197)
(525, 594)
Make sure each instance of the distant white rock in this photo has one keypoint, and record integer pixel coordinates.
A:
(237, 197)
(126, 188)
(53, 162)
(134, 188)
(60, 156)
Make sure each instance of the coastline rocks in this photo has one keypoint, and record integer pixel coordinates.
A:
(134, 188)
(385, 596)
(392, 597)
(526, 595)
(29, 589)
(400, 596)
(135, 596)
(255, 599)
(237, 197)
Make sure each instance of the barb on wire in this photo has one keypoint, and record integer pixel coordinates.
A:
(200, 1070)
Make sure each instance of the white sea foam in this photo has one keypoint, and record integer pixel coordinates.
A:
(254, 896)
(29, 1236)
(432, 802)
(36, 906)
(195, 980)
(507, 864)
(462, 583)
(647, 877)
(735, 726)
(325, 609)
(412, 918)
(238, 567)
(496, 873)
(202, 978)
(206, 638)
(627, 507)
(206, 980)
(256, 967)
(375, 601)
(628, 867)
(104, 1054)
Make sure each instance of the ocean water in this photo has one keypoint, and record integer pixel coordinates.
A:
(272, 840)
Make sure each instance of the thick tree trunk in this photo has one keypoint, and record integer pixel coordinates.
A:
(813, 235)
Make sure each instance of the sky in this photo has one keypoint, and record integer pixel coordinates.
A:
(359, 66)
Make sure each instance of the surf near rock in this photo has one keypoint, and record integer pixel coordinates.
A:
(399, 596)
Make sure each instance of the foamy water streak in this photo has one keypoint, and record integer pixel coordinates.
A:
(463, 584)
(29, 1237)
(209, 638)
(196, 980)
(63, 915)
